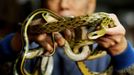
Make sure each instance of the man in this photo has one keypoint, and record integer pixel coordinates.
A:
(114, 41)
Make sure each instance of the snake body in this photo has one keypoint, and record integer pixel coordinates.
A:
(70, 23)
(96, 24)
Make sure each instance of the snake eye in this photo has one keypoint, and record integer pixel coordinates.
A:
(95, 34)
(45, 13)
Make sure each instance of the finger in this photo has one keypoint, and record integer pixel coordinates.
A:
(119, 48)
(116, 38)
(115, 19)
(45, 41)
(50, 40)
(40, 37)
(105, 42)
(47, 46)
(67, 34)
(59, 39)
(119, 29)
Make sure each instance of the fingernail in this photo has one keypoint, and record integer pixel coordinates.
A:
(57, 35)
(59, 39)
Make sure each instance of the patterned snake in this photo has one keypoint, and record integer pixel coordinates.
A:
(96, 25)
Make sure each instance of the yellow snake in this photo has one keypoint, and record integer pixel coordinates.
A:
(96, 23)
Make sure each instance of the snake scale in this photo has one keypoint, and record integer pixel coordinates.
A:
(96, 24)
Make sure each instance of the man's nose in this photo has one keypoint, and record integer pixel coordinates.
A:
(64, 4)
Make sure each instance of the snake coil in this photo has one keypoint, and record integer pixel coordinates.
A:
(96, 23)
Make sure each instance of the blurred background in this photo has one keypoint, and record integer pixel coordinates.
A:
(13, 12)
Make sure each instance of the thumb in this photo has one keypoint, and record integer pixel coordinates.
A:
(118, 29)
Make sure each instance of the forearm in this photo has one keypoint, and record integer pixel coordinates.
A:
(6, 49)
(16, 42)
(124, 62)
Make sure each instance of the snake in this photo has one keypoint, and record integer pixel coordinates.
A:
(96, 24)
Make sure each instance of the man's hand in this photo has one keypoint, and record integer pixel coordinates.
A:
(46, 42)
(114, 40)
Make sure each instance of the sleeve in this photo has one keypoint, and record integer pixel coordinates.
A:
(6, 52)
(123, 64)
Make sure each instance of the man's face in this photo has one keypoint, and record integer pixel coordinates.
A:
(71, 7)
